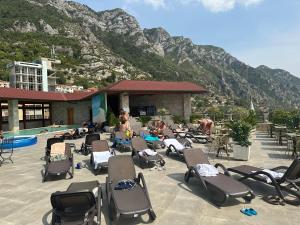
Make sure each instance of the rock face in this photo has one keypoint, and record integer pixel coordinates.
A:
(112, 44)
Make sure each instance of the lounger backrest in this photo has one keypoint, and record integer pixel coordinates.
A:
(58, 148)
(100, 146)
(139, 144)
(72, 204)
(90, 138)
(195, 156)
(293, 172)
(52, 141)
(168, 133)
(121, 167)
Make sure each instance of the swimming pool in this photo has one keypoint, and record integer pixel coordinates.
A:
(40, 130)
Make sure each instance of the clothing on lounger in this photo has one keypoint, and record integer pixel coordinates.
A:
(207, 170)
(101, 157)
(274, 174)
(147, 152)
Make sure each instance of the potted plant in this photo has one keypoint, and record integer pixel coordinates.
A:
(144, 120)
(162, 112)
(240, 135)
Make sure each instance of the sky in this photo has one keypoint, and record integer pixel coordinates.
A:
(257, 32)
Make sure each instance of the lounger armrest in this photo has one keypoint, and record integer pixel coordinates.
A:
(280, 168)
(99, 204)
(226, 172)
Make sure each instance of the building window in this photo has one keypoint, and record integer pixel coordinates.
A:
(24, 70)
(39, 72)
(31, 79)
(31, 87)
(18, 78)
(4, 114)
(39, 79)
(17, 85)
(17, 69)
(31, 70)
(40, 87)
(24, 78)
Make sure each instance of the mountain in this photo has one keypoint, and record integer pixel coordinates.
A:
(97, 48)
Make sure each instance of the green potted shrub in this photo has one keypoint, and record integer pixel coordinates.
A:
(240, 134)
(144, 120)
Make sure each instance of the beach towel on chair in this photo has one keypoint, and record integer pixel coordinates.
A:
(207, 170)
(147, 152)
(101, 157)
(175, 143)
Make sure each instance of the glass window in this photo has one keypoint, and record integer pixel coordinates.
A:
(46, 105)
(31, 87)
(39, 79)
(17, 69)
(4, 114)
(18, 78)
(17, 85)
(39, 72)
(25, 78)
(24, 70)
(20, 114)
(31, 79)
(29, 114)
(46, 113)
(4, 104)
(38, 114)
(40, 87)
(31, 70)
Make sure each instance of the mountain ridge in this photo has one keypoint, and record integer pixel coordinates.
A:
(110, 45)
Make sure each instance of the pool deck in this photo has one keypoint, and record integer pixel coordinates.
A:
(25, 200)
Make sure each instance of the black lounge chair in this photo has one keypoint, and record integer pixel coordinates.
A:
(138, 145)
(122, 142)
(87, 145)
(60, 167)
(50, 142)
(77, 205)
(100, 146)
(289, 182)
(221, 187)
(132, 202)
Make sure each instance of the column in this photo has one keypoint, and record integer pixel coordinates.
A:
(187, 107)
(13, 115)
(124, 102)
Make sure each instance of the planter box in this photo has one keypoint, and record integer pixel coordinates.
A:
(240, 152)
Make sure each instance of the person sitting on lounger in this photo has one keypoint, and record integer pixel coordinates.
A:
(206, 126)
(159, 130)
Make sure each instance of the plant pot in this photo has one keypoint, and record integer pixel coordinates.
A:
(241, 152)
(144, 128)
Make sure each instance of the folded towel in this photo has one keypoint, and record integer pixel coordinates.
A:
(147, 152)
(275, 175)
(207, 170)
(101, 157)
(151, 138)
(175, 143)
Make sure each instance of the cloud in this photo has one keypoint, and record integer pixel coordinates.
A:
(154, 3)
(222, 5)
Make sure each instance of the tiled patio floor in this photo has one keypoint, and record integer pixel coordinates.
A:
(25, 200)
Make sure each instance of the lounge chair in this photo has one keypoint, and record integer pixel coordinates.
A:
(129, 202)
(169, 134)
(100, 153)
(152, 140)
(289, 182)
(87, 145)
(80, 204)
(6, 153)
(220, 187)
(140, 148)
(50, 142)
(176, 145)
(59, 166)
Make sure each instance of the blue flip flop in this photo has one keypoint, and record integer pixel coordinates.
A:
(247, 212)
(252, 211)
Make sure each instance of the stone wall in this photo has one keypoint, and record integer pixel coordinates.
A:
(176, 104)
(81, 111)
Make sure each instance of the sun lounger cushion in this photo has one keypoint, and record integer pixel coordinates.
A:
(58, 148)
(147, 152)
(175, 143)
(207, 170)
(274, 174)
(101, 157)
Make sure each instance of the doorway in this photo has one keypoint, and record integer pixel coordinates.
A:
(113, 103)
(70, 114)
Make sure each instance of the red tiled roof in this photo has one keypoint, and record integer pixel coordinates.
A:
(155, 86)
(21, 94)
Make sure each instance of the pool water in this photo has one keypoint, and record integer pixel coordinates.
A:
(40, 130)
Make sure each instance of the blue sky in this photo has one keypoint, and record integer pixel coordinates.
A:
(255, 31)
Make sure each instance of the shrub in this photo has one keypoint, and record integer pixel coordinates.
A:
(251, 118)
(144, 120)
(112, 119)
(178, 119)
(241, 132)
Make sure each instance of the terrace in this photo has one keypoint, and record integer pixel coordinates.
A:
(24, 199)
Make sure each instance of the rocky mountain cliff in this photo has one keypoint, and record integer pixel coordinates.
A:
(101, 47)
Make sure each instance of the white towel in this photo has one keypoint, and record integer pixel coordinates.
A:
(175, 143)
(207, 170)
(148, 152)
(101, 157)
(274, 174)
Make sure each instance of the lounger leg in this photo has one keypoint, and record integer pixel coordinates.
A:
(152, 214)
(187, 176)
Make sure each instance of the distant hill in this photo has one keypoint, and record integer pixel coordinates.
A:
(97, 48)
